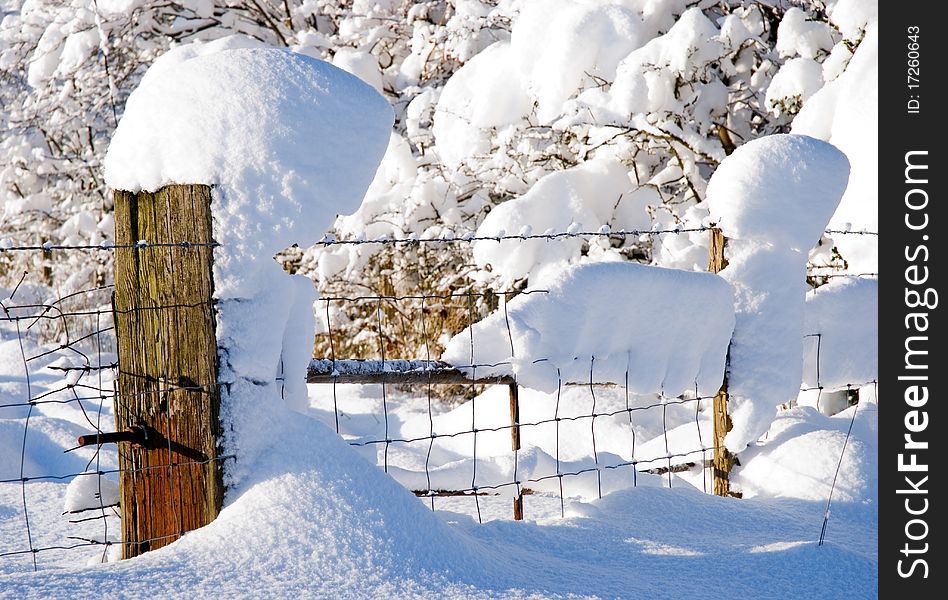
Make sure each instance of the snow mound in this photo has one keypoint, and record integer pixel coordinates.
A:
(290, 140)
(780, 189)
(667, 330)
(802, 451)
(845, 315)
(313, 517)
(772, 199)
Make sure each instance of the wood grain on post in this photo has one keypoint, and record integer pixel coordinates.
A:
(167, 356)
(723, 459)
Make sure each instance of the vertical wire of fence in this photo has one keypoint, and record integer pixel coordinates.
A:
(851, 397)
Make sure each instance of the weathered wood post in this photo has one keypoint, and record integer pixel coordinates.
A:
(171, 481)
(515, 443)
(723, 460)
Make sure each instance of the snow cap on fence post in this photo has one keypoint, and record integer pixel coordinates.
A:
(287, 142)
(772, 199)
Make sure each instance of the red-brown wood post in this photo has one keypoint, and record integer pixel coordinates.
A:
(167, 355)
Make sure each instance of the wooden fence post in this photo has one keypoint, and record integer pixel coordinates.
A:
(172, 482)
(515, 443)
(723, 459)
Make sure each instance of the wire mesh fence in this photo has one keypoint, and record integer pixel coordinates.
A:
(58, 365)
(541, 450)
(59, 464)
(463, 442)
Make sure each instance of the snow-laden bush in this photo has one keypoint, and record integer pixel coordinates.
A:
(494, 99)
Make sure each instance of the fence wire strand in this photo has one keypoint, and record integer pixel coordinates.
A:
(84, 357)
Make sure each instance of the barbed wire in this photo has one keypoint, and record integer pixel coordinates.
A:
(104, 246)
(467, 236)
(502, 236)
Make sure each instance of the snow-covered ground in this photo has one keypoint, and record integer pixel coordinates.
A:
(314, 517)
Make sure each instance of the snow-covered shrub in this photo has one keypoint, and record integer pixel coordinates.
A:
(492, 98)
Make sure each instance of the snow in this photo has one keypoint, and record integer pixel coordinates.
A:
(779, 189)
(547, 61)
(845, 113)
(845, 315)
(587, 195)
(45, 58)
(796, 81)
(801, 452)
(797, 36)
(88, 491)
(486, 92)
(361, 64)
(121, 6)
(289, 152)
(853, 16)
(322, 522)
(646, 78)
(772, 199)
(675, 328)
(318, 520)
(288, 142)
(550, 45)
(549, 447)
(313, 517)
